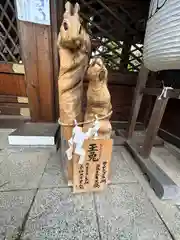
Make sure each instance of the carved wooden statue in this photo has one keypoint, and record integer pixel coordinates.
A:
(74, 50)
(98, 97)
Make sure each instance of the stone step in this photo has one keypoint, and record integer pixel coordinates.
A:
(34, 134)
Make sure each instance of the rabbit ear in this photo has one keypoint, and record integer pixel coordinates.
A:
(99, 61)
(76, 8)
(68, 7)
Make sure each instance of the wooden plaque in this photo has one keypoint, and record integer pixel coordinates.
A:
(92, 175)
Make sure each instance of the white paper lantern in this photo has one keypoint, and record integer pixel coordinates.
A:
(162, 38)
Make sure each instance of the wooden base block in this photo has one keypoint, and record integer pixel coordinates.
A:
(139, 136)
(162, 184)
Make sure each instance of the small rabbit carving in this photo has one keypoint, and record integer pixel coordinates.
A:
(74, 51)
(98, 97)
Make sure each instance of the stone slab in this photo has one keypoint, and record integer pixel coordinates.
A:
(118, 141)
(162, 184)
(58, 214)
(34, 134)
(4, 138)
(13, 207)
(54, 174)
(120, 171)
(139, 136)
(124, 125)
(169, 162)
(166, 209)
(22, 170)
(12, 121)
(125, 212)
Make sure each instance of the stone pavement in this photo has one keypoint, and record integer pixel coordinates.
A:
(35, 202)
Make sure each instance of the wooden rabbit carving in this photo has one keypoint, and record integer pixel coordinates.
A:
(74, 50)
(98, 97)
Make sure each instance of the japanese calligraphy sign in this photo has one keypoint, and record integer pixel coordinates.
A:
(92, 175)
(35, 11)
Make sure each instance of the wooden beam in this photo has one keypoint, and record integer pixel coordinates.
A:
(160, 182)
(14, 105)
(15, 111)
(12, 68)
(125, 56)
(117, 78)
(153, 126)
(29, 57)
(45, 73)
(13, 99)
(149, 100)
(12, 84)
(137, 99)
(122, 125)
(54, 5)
(169, 137)
(171, 93)
(36, 47)
(6, 68)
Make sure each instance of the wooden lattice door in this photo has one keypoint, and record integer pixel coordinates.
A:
(13, 98)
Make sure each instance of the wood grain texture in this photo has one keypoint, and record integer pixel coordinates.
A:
(148, 102)
(13, 99)
(121, 97)
(171, 118)
(98, 97)
(12, 84)
(153, 126)
(93, 174)
(118, 78)
(74, 51)
(29, 56)
(121, 87)
(14, 105)
(11, 68)
(15, 111)
(37, 57)
(9, 111)
(45, 72)
(54, 5)
(6, 68)
(137, 99)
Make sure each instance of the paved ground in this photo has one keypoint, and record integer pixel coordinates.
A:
(35, 202)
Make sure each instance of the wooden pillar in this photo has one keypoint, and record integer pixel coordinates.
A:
(57, 11)
(153, 126)
(37, 55)
(125, 56)
(137, 99)
(149, 101)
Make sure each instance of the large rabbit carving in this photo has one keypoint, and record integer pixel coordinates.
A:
(98, 97)
(74, 50)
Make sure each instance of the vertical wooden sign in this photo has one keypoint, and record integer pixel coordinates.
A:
(92, 175)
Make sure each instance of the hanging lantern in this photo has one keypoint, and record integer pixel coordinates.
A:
(162, 38)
